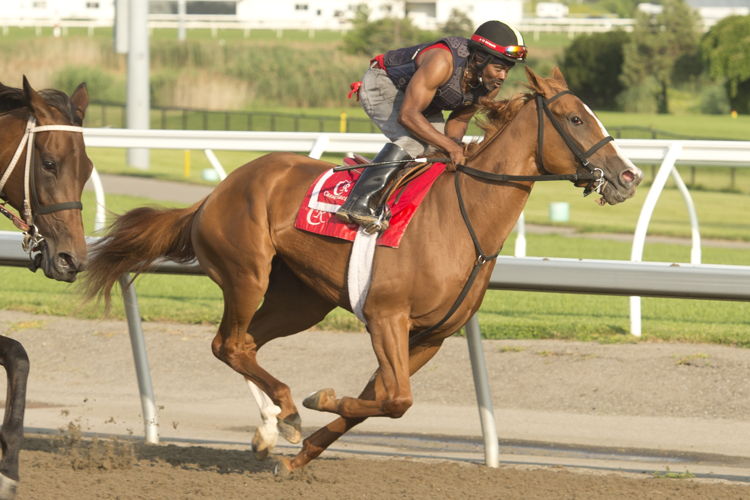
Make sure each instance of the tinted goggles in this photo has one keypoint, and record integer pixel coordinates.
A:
(512, 51)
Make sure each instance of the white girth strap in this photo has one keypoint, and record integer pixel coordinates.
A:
(360, 271)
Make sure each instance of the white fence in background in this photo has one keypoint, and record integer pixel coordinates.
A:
(530, 25)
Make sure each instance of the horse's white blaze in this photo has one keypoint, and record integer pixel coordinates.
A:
(619, 151)
(268, 411)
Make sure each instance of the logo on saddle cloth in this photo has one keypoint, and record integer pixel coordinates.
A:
(329, 191)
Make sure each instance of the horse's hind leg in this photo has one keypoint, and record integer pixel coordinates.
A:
(321, 439)
(16, 362)
(289, 306)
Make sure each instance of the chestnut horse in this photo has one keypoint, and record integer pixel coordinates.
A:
(43, 168)
(278, 280)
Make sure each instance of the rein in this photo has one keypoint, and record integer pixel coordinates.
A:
(595, 176)
(32, 237)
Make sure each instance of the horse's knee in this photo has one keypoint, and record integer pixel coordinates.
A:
(15, 356)
(396, 407)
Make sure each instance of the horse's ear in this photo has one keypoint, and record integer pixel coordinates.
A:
(536, 83)
(80, 100)
(34, 101)
(557, 75)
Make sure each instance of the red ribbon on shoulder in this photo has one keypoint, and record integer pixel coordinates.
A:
(354, 90)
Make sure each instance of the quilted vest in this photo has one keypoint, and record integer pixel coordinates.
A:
(400, 65)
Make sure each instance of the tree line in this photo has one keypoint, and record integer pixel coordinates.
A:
(633, 71)
(618, 70)
(666, 55)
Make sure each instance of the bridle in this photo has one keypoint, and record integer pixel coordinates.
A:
(595, 176)
(32, 237)
(542, 104)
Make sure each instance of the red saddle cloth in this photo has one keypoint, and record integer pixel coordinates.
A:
(329, 191)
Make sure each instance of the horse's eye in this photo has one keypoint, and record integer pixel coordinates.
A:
(576, 120)
(49, 164)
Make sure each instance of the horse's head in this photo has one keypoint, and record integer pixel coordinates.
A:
(57, 172)
(573, 139)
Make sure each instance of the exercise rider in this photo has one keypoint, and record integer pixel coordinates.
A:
(405, 92)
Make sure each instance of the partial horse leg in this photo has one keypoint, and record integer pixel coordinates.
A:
(289, 306)
(321, 439)
(16, 362)
(390, 341)
(267, 433)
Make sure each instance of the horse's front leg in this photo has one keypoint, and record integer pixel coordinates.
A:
(267, 433)
(390, 341)
(16, 362)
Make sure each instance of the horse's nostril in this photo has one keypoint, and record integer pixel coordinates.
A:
(66, 261)
(628, 176)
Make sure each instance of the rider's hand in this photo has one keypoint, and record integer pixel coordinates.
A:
(456, 154)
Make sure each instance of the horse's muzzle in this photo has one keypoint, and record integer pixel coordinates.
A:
(621, 186)
(61, 267)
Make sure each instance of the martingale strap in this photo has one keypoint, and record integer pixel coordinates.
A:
(482, 259)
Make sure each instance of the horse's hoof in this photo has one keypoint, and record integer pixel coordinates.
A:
(261, 448)
(283, 468)
(8, 488)
(320, 400)
(290, 428)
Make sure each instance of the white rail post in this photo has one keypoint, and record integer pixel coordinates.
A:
(695, 234)
(319, 147)
(214, 161)
(639, 238)
(520, 248)
(140, 357)
(482, 387)
(100, 219)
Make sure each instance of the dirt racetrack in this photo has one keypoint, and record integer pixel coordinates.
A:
(576, 420)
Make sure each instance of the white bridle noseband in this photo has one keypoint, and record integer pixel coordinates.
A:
(32, 237)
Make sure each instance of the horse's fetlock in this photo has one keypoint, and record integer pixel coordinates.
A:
(395, 408)
(310, 450)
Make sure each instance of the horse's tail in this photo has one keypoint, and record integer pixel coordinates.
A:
(134, 241)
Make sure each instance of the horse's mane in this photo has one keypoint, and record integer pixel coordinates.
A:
(13, 98)
(494, 116)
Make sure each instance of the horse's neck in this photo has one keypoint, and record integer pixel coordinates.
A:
(512, 153)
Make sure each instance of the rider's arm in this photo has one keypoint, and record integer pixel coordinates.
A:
(434, 69)
(458, 122)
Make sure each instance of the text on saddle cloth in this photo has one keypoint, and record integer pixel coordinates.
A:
(329, 191)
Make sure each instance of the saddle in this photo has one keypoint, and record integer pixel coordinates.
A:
(402, 198)
(404, 176)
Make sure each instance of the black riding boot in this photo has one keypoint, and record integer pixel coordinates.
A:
(361, 205)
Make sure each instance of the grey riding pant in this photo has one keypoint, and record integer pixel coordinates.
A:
(382, 102)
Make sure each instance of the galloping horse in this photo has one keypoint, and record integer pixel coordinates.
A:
(44, 168)
(244, 238)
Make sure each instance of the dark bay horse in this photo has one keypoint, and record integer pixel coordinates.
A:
(43, 168)
(278, 280)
